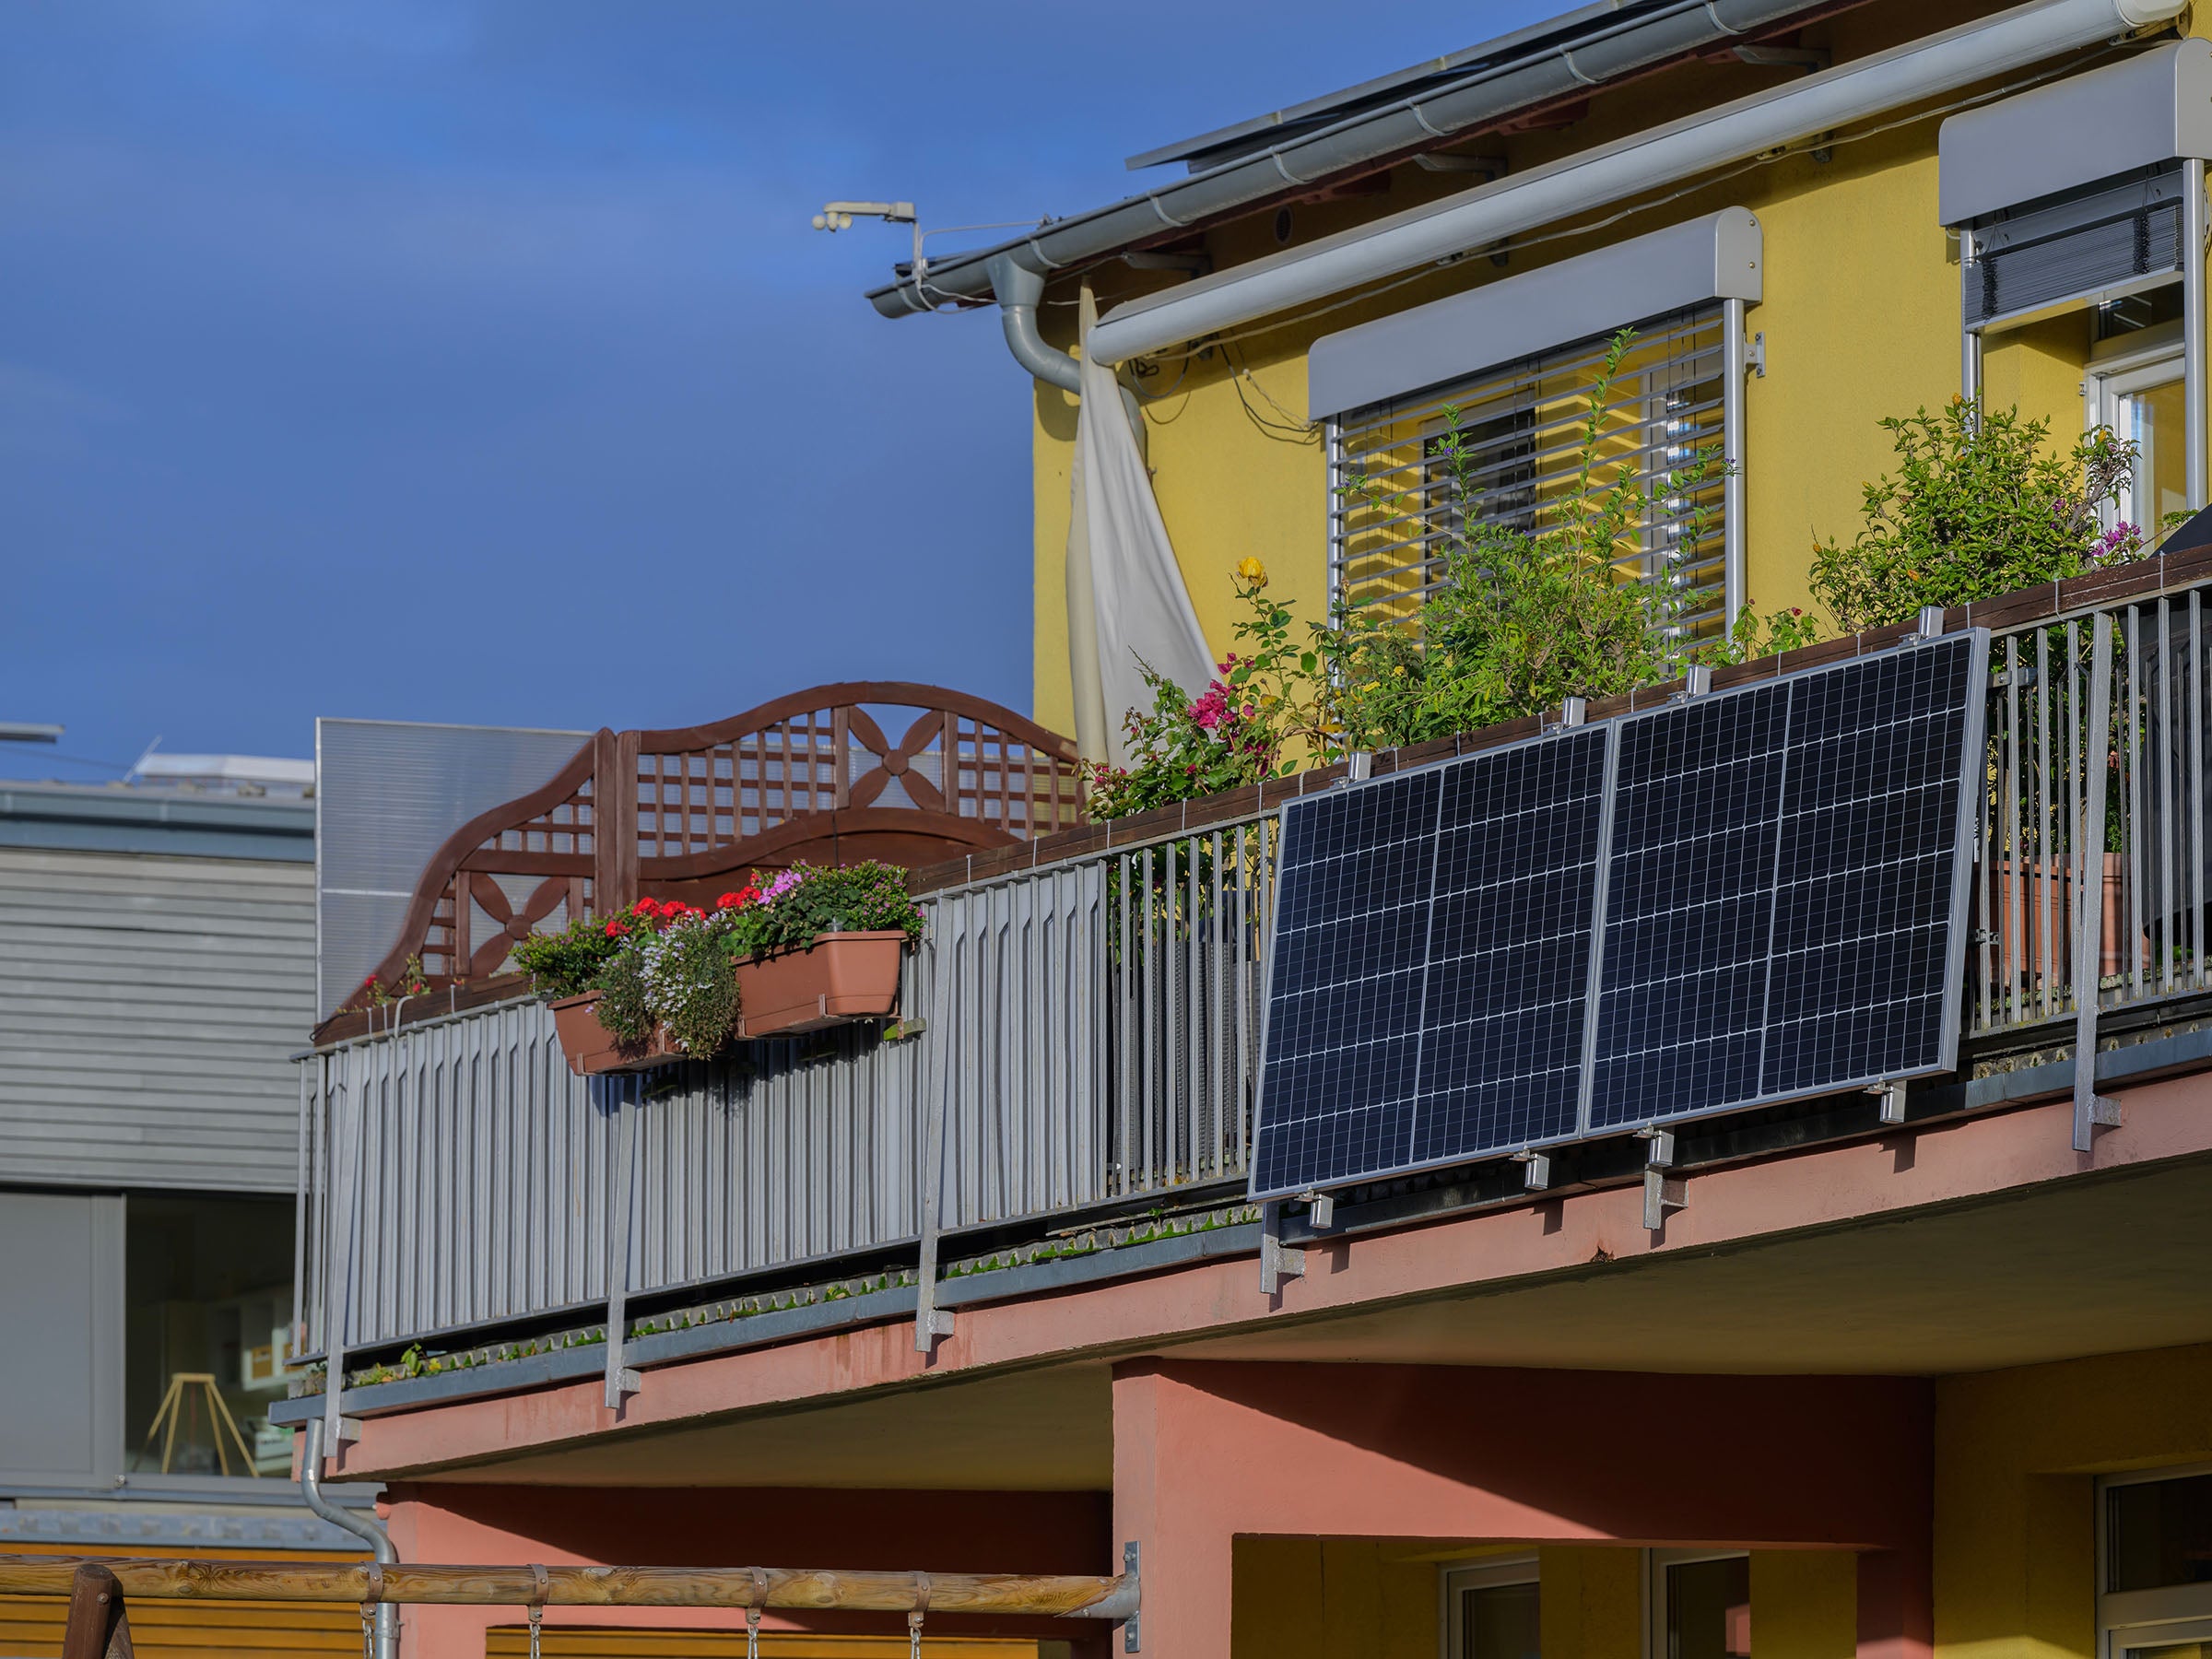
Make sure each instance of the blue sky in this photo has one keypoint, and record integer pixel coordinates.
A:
(476, 362)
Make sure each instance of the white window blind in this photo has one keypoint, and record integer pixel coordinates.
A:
(1395, 508)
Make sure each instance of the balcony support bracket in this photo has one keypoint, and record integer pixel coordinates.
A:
(1892, 1097)
(930, 1321)
(2091, 1109)
(1278, 1261)
(621, 1379)
(1662, 1191)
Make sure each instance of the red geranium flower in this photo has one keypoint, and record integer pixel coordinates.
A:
(614, 930)
(647, 907)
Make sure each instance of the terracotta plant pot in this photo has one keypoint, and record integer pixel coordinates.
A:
(592, 1049)
(2033, 902)
(839, 977)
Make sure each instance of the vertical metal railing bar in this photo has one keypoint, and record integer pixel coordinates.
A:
(1125, 1034)
(1189, 1074)
(2129, 789)
(308, 1070)
(1149, 972)
(1223, 947)
(2194, 789)
(2164, 809)
(1244, 976)
(2074, 853)
(2045, 868)
(2015, 897)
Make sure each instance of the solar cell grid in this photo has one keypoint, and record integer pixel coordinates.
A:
(1782, 871)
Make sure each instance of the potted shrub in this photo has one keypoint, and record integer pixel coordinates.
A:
(663, 980)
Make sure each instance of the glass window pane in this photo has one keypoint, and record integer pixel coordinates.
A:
(2173, 1650)
(1709, 1609)
(1499, 1621)
(207, 1310)
(2158, 1533)
(2155, 419)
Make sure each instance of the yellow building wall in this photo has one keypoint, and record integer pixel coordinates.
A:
(1860, 318)
(1591, 1603)
(2017, 1454)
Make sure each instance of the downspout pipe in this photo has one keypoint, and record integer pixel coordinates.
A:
(366, 1527)
(1618, 172)
(1019, 292)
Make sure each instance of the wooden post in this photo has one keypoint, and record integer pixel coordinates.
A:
(98, 1627)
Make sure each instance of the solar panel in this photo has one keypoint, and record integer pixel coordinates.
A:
(1431, 963)
(1781, 874)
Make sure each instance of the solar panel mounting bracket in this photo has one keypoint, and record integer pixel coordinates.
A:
(1696, 680)
(1321, 1209)
(1662, 1191)
(1278, 1261)
(1535, 1170)
(1891, 1093)
(1573, 712)
(1359, 767)
(1929, 626)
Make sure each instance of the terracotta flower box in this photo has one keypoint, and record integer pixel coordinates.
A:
(839, 977)
(592, 1049)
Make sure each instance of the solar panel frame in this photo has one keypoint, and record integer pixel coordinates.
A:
(1970, 784)
(1439, 770)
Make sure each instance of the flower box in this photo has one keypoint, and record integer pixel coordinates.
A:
(839, 977)
(592, 1050)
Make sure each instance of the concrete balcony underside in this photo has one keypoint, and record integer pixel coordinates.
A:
(1965, 1245)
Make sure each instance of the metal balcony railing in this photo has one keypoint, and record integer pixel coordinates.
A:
(1083, 1032)
(1088, 1030)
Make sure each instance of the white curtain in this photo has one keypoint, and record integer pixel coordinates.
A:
(1126, 597)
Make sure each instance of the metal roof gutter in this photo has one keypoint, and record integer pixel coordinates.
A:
(1618, 171)
(1609, 52)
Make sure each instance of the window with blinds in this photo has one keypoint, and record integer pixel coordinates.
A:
(2108, 238)
(1396, 510)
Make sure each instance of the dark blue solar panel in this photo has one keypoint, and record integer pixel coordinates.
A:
(1508, 952)
(1781, 881)
(1431, 964)
(1354, 877)
(1781, 894)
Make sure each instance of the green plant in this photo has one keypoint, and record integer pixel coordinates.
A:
(805, 901)
(1978, 506)
(690, 982)
(568, 962)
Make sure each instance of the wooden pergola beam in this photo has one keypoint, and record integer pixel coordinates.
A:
(1049, 1595)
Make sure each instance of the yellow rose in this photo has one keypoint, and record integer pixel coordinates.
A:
(1253, 573)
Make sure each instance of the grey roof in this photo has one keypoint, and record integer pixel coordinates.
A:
(96, 817)
(1244, 136)
(1362, 129)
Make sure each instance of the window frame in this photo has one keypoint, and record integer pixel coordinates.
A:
(1655, 1563)
(1481, 1572)
(2160, 360)
(2154, 1615)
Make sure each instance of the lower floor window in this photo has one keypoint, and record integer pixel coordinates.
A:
(1490, 1610)
(2154, 1588)
(1700, 1605)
